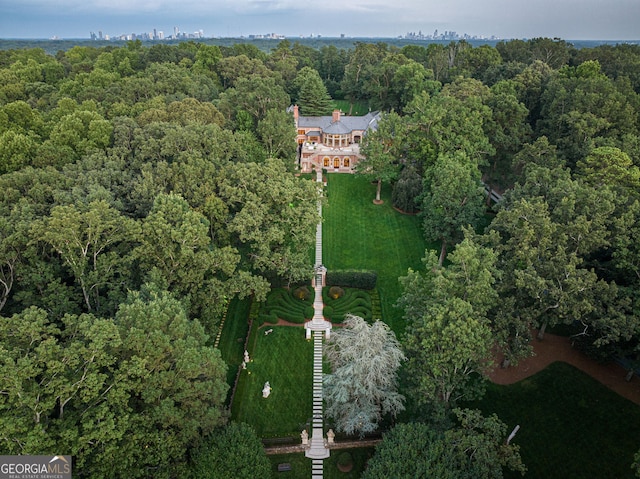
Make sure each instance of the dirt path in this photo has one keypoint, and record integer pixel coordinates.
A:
(558, 348)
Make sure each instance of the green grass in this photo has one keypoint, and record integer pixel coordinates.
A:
(360, 235)
(285, 359)
(233, 335)
(571, 426)
(301, 465)
(359, 108)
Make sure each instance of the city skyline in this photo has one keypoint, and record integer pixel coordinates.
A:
(567, 19)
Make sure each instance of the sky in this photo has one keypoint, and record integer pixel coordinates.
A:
(566, 19)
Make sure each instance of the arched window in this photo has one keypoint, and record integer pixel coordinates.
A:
(346, 163)
(336, 162)
(325, 161)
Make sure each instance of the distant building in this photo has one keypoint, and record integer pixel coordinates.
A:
(331, 142)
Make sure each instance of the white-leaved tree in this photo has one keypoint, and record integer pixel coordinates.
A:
(361, 389)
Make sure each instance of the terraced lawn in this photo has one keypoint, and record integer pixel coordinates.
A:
(360, 235)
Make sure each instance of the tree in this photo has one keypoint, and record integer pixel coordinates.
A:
(448, 122)
(361, 388)
(313, 98)
(475, 448)
(452, 199)
(380, 148)
(278, 134)
(175, 242)
(274, 216)
(544, 273)
(254, 94)
(608, 165)
(88, 239)
(176, 383)
(407, 190)
(582, 109)
(233, 451)
(358, 72)
(448, 337)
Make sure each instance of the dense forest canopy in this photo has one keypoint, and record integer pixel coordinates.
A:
(144, 186)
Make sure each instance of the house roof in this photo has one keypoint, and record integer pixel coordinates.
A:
(345, 125)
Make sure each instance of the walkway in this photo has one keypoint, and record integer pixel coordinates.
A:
(317, 450)
(558, 348)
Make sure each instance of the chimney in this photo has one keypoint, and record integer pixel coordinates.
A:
(295, 113)
(336, 115)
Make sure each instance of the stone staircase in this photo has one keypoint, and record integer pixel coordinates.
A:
(317, 450)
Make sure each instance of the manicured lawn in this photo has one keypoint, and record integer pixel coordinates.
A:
(359, 108)
(571, 426)
(285, 359)
(360, 235)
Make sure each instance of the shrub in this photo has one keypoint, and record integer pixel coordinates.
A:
(352, 279)
(308, 312)
(336, 292)
(327, 312)
(302, 293)
(270, 318)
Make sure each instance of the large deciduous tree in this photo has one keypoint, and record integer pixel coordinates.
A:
(361, 388)
(93, 241)
(452, 199)
(448, 337)
(278, 134)
(274, 214)
(381, 150)
(143, 387)
(233, 451)
(475, 448)
(175, 242)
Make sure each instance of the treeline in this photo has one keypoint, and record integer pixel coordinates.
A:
(143, 187)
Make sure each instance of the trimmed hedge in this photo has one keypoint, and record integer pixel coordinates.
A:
(282, 304)
(352, 279)
(354, 301)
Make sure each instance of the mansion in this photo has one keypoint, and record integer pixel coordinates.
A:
(331, 142)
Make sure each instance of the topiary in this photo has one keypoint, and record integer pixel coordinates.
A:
(308, 312)
(302, 293)
(336, 292)
(327, 312)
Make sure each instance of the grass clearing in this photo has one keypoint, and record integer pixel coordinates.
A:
(359, 108)
(360, 235)
(285, 359)
(570, 424)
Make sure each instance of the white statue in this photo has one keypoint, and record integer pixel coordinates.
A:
(266, 390)
(246, 356)
(244, 365)
(330, 436)
(305, 437)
